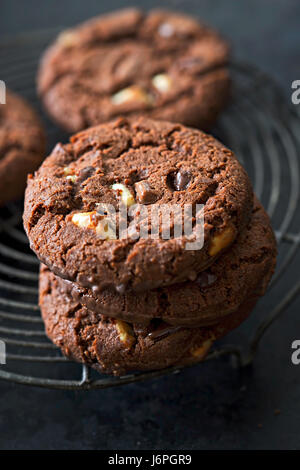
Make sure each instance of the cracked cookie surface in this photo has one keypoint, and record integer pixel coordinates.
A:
(105, 165)
(22, 145)
(161, 64)
(116, 347)
(244, 270)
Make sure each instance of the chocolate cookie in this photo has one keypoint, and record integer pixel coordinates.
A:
(116, 347)
(244, 269)
(156, 164)
(22, 146)
(161, 64)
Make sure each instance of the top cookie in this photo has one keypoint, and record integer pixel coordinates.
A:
(160, 64)
(154, 163)
(22, 145)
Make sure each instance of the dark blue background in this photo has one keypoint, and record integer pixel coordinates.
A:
(265, 32)
(211, 406)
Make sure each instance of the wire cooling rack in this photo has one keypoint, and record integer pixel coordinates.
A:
(259, 126)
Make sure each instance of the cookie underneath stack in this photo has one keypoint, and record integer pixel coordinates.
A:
(121, 304)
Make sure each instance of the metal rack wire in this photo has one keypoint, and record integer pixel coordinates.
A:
(259, 126)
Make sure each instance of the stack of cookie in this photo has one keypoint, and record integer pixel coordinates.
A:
(141, 303)
(116, 294)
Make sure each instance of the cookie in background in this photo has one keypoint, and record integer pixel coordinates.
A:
(160, 64)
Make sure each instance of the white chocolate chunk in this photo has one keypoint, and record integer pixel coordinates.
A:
(67, 38)
(201, 352)
(124, 193)
(221, 240)
(94, 221)
(67, 171)
(162, 82)
(133, 93)
(125, 332)
(71, 178)
(166, 30)
(82, 219)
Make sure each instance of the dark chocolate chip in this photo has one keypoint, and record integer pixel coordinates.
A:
(162, 331)
(179, 181)
(144, 193)
(85, 173)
